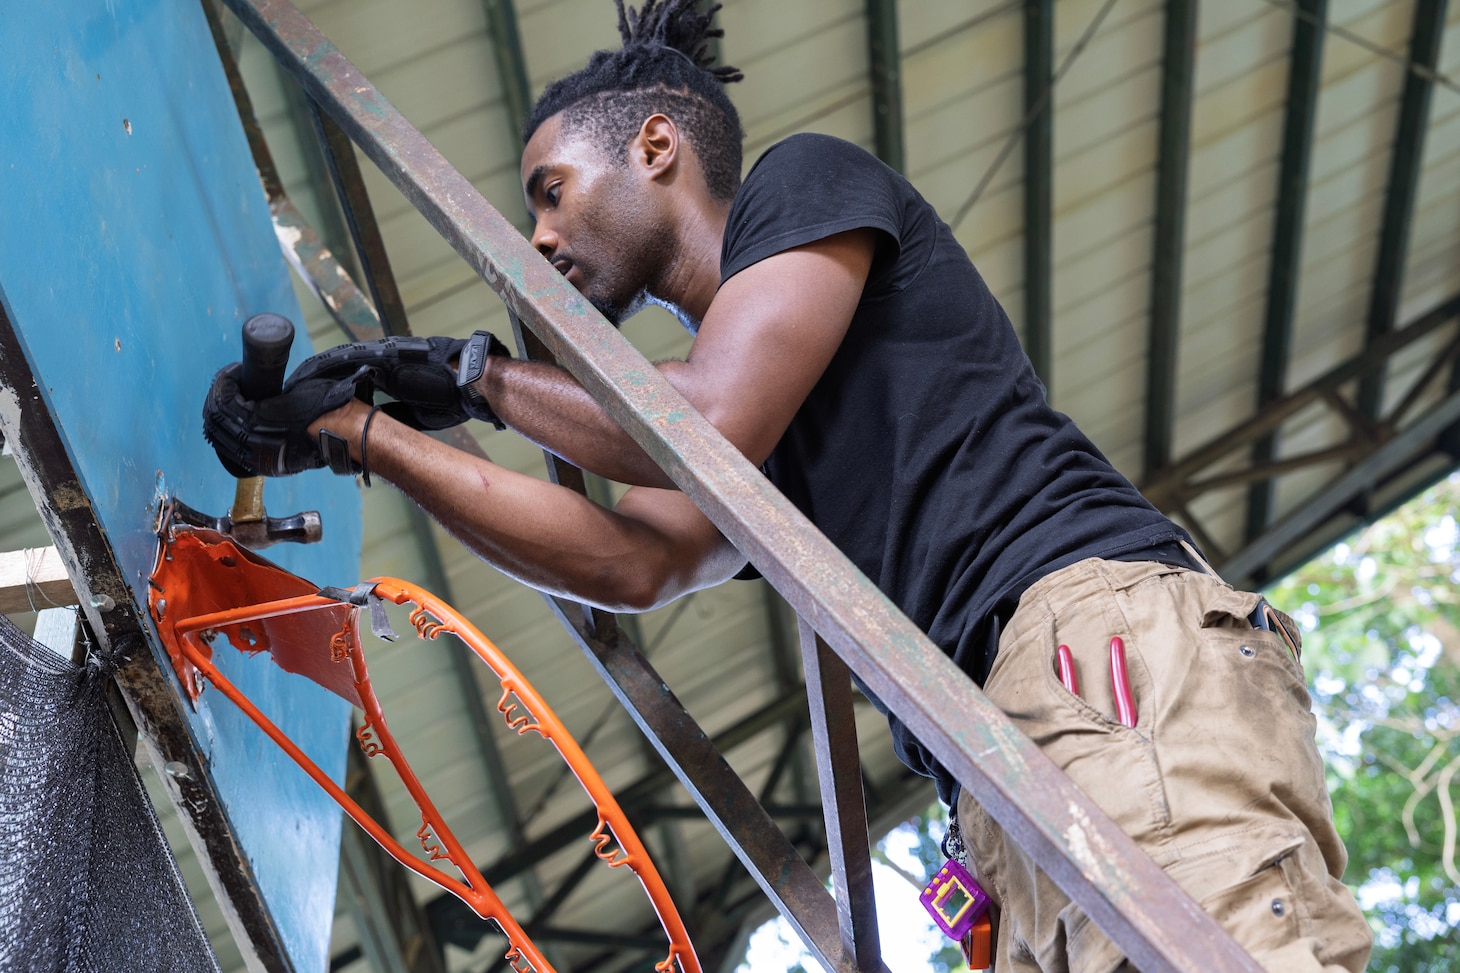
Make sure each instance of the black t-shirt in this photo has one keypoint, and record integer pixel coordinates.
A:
(927, 452)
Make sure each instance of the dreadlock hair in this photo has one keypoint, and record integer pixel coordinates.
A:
(664, 67)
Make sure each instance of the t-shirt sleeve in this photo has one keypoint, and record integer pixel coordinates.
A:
(804, 189)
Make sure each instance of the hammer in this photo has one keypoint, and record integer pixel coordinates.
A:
(266, 342)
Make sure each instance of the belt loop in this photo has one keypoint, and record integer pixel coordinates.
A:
(1189, 549)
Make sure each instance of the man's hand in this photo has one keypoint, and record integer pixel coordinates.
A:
(419, 373)
(270, 437)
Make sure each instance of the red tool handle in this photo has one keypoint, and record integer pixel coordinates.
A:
(1125, 702)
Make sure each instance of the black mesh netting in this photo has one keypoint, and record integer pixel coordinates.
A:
(87, 882)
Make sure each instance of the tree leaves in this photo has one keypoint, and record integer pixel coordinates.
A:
(1381, 620)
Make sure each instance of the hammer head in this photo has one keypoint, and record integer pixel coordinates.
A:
(301, 528)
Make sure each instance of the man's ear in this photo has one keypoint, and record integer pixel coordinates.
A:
(656, 147)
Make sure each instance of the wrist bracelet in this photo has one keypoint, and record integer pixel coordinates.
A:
(364, 456)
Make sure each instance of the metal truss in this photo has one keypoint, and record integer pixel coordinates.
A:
(1379, 461)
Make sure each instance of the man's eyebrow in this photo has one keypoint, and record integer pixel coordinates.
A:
(534, 180)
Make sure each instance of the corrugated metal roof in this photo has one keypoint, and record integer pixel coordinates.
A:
(963, 87)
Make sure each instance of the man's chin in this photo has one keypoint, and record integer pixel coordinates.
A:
(617, 312)
(609, 310)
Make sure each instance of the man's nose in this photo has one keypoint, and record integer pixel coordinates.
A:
(544, 240)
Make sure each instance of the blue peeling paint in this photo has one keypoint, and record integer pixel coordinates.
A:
(135, 241)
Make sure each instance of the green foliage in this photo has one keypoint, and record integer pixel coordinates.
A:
(1381, 621)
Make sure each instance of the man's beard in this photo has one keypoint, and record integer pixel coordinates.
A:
(617, 311)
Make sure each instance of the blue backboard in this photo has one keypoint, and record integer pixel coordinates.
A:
(135, 240)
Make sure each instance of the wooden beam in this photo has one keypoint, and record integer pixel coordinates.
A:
(33, 579)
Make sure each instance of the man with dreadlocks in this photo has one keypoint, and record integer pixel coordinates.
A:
(844, 341)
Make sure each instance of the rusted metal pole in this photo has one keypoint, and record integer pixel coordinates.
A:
(1146, 913)
(349, 185)
(839, 772)
(765, 851)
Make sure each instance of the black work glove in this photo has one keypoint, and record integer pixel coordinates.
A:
(419, 373)
(270, 437)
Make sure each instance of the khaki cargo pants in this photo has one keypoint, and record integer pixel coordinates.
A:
(1219, 780)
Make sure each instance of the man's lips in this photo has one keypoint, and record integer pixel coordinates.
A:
(566, 267)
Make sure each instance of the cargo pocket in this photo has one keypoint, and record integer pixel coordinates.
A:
(1261, 912)
(1228, 615)
(1247, 891)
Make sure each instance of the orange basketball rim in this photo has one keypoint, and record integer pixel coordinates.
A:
(205, 585)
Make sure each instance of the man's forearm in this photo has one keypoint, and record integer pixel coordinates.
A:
(548, 406)
(544, 535)
(540, 533)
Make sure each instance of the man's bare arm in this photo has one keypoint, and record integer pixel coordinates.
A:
(765, 341)
(653, 547)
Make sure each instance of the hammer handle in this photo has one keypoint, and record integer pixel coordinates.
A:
(266, 342)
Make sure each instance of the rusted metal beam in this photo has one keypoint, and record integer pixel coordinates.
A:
(732, 912)
(676, 867)
(730, 806)
(1141, 908)
(321, 272)
(785, 661)
(359, 213)
(263, 159)
(839, 770)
